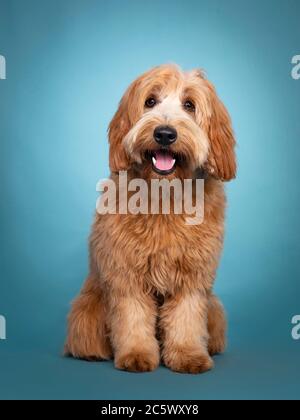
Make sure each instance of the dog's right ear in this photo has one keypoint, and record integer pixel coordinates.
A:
(130, 107)
(118, 128)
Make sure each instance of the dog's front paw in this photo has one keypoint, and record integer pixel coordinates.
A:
(137, 362)
(188, 361)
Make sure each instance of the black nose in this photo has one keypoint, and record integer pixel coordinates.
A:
(165, 135)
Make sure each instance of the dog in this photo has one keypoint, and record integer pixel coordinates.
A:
(149, 294)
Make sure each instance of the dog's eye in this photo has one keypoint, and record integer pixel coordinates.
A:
(189, 106)
(150, 102)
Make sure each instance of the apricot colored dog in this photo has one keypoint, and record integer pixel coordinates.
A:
(149, 295)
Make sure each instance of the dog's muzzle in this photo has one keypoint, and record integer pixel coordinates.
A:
(163, 160)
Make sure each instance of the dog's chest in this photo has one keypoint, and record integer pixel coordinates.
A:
(164, 251)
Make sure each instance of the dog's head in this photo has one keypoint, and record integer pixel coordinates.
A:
(171, 123)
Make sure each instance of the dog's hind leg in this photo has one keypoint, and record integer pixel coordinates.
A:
(217, 326)
(87, 334)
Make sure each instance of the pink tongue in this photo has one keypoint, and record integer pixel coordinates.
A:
(164, 161)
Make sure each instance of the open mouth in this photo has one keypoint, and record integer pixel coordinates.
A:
(163, 161)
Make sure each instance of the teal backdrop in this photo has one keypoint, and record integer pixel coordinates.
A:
(68, 63)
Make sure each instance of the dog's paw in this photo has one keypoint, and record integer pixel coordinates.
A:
(82, 355)
(89, 350)
(216, 346)
(188, 361)
(137, 362)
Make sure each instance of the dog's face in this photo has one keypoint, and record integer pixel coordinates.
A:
(171, 123)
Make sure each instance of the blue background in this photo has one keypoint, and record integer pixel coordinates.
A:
(68, 63)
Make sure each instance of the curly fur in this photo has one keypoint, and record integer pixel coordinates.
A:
(149, 296)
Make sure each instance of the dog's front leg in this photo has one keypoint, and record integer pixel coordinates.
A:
(184, 331)
(133, 324)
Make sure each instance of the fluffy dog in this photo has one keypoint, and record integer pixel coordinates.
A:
(149, 295)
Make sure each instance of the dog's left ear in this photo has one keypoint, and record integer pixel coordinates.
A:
(118, 128)
(221, 162)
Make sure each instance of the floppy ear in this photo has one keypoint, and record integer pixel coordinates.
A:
(118, 128)
(221, 162)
